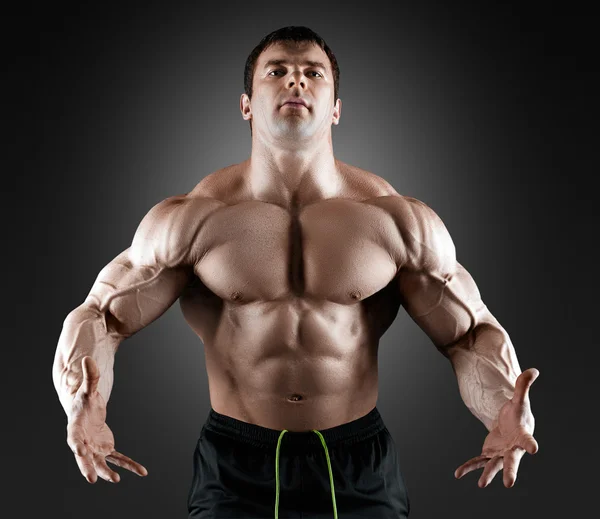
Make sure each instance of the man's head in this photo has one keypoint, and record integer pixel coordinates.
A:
(289, 34)
(291, 62)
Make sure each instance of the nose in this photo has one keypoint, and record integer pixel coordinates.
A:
(297, 78)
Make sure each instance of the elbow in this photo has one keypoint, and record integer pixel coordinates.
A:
(114, 327)
(90, 310)
(87, 310)
(107, 314)
(479, 339)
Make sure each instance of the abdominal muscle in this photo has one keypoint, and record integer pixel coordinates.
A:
(291, 364)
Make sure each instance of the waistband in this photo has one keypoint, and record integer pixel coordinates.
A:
(357, 430)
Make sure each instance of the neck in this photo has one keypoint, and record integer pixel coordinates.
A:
(293, 174)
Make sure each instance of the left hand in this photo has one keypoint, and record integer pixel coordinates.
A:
(508, 440)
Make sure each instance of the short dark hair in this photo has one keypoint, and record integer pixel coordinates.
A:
(295, 33)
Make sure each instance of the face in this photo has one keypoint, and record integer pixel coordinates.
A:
(287, 72)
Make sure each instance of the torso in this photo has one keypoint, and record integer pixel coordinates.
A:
(291, 301)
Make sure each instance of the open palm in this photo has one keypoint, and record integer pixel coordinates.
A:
(88, 436)
(509, 439)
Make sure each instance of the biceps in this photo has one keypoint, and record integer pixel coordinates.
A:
(445, 307)
(132, 296)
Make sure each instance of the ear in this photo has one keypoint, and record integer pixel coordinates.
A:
(245, 107)
(337, 112)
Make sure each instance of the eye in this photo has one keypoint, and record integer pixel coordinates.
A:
(315, 72)
(274, 71)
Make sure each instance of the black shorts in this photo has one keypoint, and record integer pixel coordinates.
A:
(242, 470)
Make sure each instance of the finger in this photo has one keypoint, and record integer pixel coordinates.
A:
(91, 376)
(529, 443)
(490, 471)
(104, 470)
(75, 440)
(523, 384)
(127, 463)
(83, 454)
(86, 467)
(472, 464)
(512, 458)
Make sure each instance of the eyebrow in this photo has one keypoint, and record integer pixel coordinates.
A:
(285, 62)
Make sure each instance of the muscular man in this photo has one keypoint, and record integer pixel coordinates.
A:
(290, 266)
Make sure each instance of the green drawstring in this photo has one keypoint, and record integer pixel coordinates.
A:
(330, 473)
(277, 473)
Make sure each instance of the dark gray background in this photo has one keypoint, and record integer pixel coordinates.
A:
(485, 115)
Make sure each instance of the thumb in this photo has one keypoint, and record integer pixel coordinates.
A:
(523, 384)
(529, 443)
(91, 376)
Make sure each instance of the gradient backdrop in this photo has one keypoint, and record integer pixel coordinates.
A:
(484, 115)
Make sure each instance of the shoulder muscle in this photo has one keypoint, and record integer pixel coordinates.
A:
(167, 235)
(425, 242)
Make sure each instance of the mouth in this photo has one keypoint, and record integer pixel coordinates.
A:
(296, 103)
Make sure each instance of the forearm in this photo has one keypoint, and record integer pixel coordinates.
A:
(84, 333)
(486, 367)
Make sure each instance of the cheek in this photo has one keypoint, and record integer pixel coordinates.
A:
(259, 106)
(325, 109)
(266, 102)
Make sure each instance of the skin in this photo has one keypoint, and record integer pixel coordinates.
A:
(289, 267)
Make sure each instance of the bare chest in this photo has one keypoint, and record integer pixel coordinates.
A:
(338, 250)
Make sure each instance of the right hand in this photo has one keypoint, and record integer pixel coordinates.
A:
(89, 437)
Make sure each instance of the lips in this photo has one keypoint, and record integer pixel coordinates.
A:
(296, 102)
